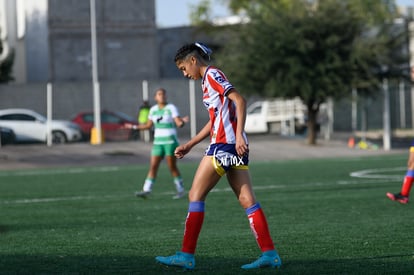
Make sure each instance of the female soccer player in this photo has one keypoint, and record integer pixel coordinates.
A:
(227, 154)
(403, 195)
(165, 119)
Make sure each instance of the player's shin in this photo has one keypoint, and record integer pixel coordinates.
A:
(408, 183)
(259, 227)
(193, 226)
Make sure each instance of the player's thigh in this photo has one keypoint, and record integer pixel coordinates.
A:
(158, 150)
(240, 182)
(169, 149)
(169, 155)
(204, 180)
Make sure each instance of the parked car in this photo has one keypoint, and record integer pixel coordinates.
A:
(30, 126)
(116, 126)
(6, 136)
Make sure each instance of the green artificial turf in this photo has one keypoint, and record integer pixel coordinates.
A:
(322, 220)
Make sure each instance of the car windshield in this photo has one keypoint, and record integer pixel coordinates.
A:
(124, 116)
(41, 118)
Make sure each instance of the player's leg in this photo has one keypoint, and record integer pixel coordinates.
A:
(157, 154)
(407, 184)
(409, 176)
(175, 172)
(177, 179)
(205, 179)
(240, 182)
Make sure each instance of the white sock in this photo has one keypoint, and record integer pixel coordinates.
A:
(178, 181)
(148, 185)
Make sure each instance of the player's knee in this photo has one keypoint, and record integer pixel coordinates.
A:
(246, 201)
(196, 195)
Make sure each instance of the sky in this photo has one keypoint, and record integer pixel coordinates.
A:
(177, 13)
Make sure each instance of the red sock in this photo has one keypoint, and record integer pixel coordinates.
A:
(193, 225)
(406, 187)
(259, 227)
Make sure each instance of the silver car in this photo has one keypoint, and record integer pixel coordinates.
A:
(29, 126)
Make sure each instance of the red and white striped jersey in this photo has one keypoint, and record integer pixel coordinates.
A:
(221, 109)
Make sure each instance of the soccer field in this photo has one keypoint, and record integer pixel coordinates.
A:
(326, 216)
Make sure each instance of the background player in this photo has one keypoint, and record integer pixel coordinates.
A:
(403, 195)
(165, 118)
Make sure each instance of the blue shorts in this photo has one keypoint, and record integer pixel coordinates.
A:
(226, 157)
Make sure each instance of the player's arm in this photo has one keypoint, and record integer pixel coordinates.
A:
(182, 150)
(238, 99)
(145, 126)
(181, 121)
(205, 132)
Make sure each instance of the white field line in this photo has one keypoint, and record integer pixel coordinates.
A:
(59, 199)
(60, 171)
(215, 190)
(369, 176)
(379, 173)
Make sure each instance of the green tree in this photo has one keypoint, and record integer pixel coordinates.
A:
(311, 49)
(201, 14)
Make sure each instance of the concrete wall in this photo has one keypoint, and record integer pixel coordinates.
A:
(126, 40)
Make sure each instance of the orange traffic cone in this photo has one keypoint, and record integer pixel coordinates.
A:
(351, 142)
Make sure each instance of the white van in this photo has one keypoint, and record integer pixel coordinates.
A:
(277, 115)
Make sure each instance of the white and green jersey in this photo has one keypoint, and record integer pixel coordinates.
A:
(165, 131)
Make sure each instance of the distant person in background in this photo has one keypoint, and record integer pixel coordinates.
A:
(402, 196)
(165, 119)
(143, 118)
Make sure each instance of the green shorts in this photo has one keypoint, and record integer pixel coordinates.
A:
(162, 150)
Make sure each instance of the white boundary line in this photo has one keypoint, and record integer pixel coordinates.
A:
(377, 173)
(45, 200)
(215, 190)
(62, 171)
(370, 176)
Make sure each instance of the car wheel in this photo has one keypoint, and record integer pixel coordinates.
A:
(58, 137)
(12, 139)
(8, 138)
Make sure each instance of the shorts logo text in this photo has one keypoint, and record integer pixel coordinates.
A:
(225, 159)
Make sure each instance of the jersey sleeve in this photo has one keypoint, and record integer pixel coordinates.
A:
(151, 113)
(219, 81)
(174, 111)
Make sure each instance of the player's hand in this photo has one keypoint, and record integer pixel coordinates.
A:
(242, 148)
(181, 150)
(186, 119)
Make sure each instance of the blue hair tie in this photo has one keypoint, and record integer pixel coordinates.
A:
(205, 49)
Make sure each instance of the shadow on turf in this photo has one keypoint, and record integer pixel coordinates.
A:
(3, 229)
(61, 264)
(386, 264)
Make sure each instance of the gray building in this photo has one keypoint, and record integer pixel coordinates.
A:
(126, 39)
(54, 43)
